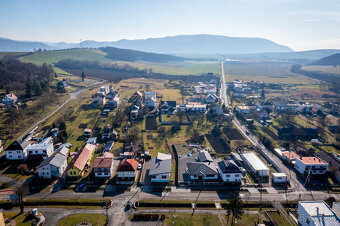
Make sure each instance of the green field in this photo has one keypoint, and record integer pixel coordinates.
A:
(2, 54)
(327, 69)
(94, 219)
(173, 68)
(265, 72)
(196, 219)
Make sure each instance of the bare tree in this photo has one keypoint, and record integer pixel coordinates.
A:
(21, 192)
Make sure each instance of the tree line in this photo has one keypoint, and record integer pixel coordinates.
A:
(16, 75)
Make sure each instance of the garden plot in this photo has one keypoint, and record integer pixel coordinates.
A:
(233, 134)
(151, 123)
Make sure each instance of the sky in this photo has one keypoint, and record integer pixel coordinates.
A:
(299, 24)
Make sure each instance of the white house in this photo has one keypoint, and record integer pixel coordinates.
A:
(202, 172)
(160, 168)
(44, 148)
(17, 150)
(316, 213)
(126, 171)
(9, 99)
(103, 166)
(279, 178)
(54, 166)
(310, 165)
(192, 108)
(243, 109)
(229, 171)
(150, 99)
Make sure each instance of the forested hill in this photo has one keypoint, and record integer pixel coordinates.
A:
(331, 60)
(133, 55)
(16, 75)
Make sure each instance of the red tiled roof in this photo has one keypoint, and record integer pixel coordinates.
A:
(128, 165)
(83, 156)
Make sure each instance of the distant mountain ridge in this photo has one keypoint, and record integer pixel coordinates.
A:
(180, 44)
(332, 60)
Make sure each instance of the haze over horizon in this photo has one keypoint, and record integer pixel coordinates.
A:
(299, 24)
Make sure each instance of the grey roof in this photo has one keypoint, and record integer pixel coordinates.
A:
(229, 167)
(320, 213)
(160, 166)
(201, 168)
(204, 156)
(55, 160)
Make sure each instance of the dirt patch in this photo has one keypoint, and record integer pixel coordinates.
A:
(82, 126)
(219, 145)
(270, 133)
(151, 123)
(233, 134)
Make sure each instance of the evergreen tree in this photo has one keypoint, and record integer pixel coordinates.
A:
(83, 76)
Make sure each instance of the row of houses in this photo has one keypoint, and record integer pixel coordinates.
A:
(108, 97)
(21, 149)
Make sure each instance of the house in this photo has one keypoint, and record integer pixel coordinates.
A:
(150, 99)
(336, 208)
(243, 109)
(44, 148)
(316, 213)
(107, 132)
(193, 108)
(167, 107)
(279, 178)
(53, 166)
(211, 98)
(216, 110)
(333, 162)
(202, 172)
(111, 94)
(229, 171)
(137, 97)
(310, 165)
(126, 171)
(160, 168)
(262, 114)
(103, 166)
(87, 132)
(17, 150)
(108, 146)
(289, 157)
(9, 99)
(103, 91)
(81, 160)
(62, 84)
(134, 110)
(92, 140)
(98, 100)
(204, 156)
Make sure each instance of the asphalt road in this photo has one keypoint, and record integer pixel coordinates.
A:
(298, 185)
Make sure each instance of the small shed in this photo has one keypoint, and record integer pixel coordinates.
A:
(279, 178)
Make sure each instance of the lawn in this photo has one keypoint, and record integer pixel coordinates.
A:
(247, 219)
(196, 219)
(94, 219)
(18, 218)
(278, 218)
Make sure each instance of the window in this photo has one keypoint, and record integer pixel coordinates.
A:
(227, 175)
(10, 156)
(153, 177)
(36, 152)
(29, 152)
(19, 156)
(237, 175)
(18, 152)
(106, 173)
(163, 177)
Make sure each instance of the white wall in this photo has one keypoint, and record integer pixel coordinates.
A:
(16, 154)
(301, 167)
(45, 171)
(126, 174)
(230, 177)
(40, 150)
(158, 178)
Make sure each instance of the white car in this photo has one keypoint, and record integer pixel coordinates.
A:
(139, 167)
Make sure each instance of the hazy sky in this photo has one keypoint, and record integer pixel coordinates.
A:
(299, 24)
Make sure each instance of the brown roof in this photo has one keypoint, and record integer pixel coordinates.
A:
(291, 155)
(101, 162)
(83, 156)
(127, 165)
(311, 160)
